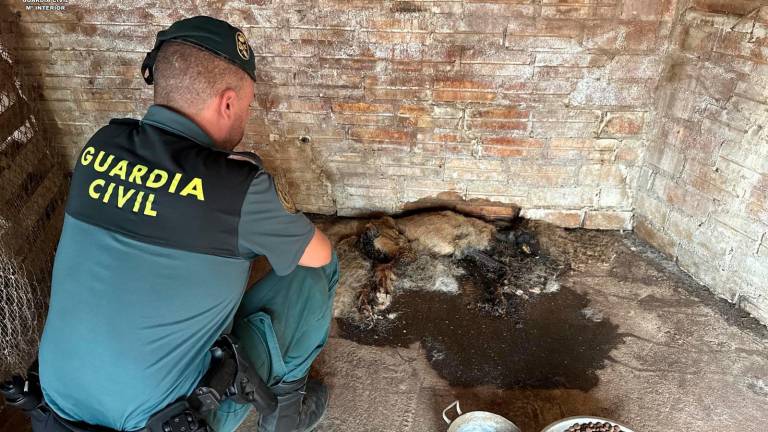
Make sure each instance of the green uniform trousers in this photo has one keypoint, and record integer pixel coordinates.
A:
(282, 324)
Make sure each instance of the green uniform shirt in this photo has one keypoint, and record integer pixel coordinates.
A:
(141, 291)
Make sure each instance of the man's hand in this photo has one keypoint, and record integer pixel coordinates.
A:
(318, 251)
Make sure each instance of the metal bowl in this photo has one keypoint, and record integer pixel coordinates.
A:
(477, 421)
(564, 424)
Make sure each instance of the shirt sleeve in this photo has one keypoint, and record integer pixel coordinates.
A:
(267, 228)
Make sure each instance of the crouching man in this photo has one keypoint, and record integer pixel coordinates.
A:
(162, 223)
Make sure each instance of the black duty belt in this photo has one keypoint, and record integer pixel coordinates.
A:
(230, 376)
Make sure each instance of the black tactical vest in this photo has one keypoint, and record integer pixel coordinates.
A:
(161, 188)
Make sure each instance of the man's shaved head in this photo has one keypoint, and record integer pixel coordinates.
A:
(192, 80)
(187, 77)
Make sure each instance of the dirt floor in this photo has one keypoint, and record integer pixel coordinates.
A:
(532, 322)
(585, 323)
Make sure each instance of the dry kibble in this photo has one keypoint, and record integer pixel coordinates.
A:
(594, 427)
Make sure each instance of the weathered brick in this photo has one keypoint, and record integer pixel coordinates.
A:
(571, 59)
(497, 125)
(542, 175)
(563, 197)
(487, 24)
(373, 134)
(668, 158)
(651, 208)
(708, 272)
(752, 269)
(464, 83)
(655, 237)
(447, 137)
(511, 70)
(462, 96)
(458, 149)
(709, 181)
(324, 34)
(598, 92)
(681, 226)
(509, 152)
(635, 67)
(544, 27)
(699, 39)
(708, 241)
(367, 120)
(554, 87)
(567, 115)
(622, 124)
(686, 199)
(739, 180)
(512, 9)
(398, 94)
(547, 129)
(541, 43)
(628, 153)
(633, 35)
(398, 81)
(750, 228)
(641, 9)
(475, 164)
(749, 152)
(718, 82)
(312, 105)
(502, 113)
(599, 174)
(742, 45)
(608, 220)
(563, 218)
(757, 204)
(495, 55)
(503, 146)
(470, 38)
(474, 174)
(513, 142)
(582, 148)
(615, 197)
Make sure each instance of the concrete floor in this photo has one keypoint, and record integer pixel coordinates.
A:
(680, 360)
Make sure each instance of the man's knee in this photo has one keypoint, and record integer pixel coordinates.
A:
(332, 272)
(306, 289)
(318, 296)
(326, 276)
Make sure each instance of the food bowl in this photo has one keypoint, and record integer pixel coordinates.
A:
(564, 424)
(477, 421)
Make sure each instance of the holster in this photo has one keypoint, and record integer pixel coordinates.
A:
(230, 376)
(25, 394)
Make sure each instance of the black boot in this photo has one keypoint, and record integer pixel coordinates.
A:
(300, 407)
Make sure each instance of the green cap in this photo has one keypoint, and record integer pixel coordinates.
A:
(213, 35)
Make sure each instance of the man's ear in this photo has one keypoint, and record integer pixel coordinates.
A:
(227, 104)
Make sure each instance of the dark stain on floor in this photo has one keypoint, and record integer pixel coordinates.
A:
(507, 327)
(550, 343)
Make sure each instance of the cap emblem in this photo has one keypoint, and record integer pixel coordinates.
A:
(242, 45)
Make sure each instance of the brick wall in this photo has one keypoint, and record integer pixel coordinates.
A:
(594, 113)
(703, 191)
(540, 103)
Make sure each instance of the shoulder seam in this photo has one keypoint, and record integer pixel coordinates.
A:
(240, 217)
